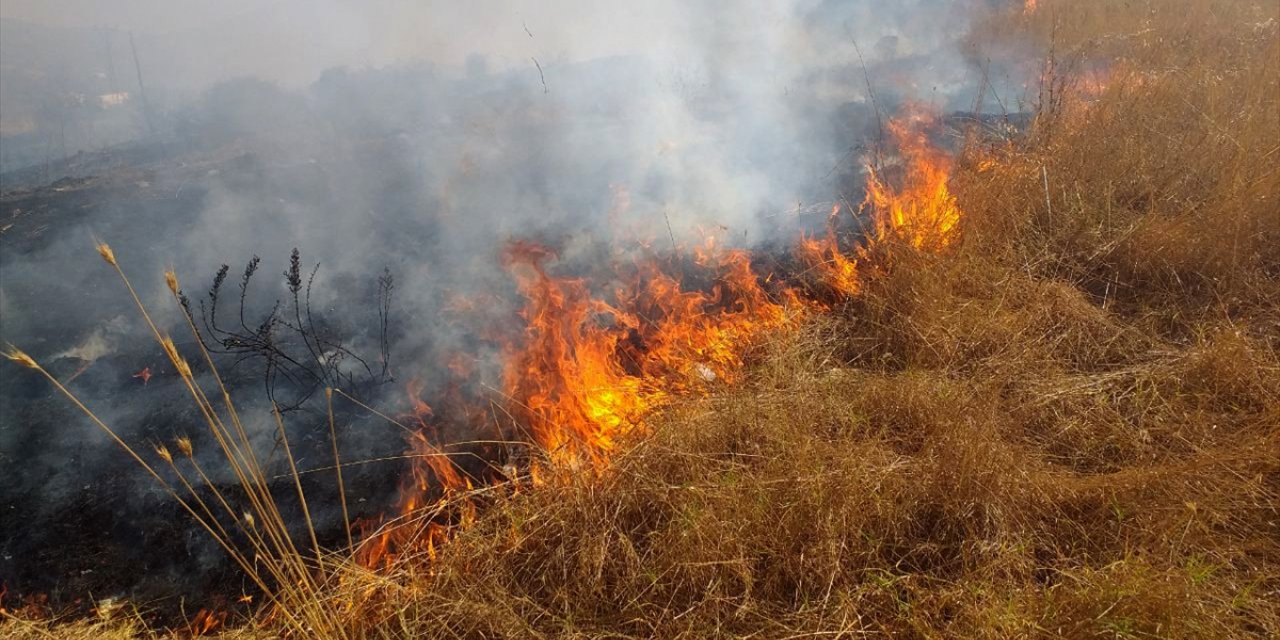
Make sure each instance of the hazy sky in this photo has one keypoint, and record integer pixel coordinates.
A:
(284, 37)
(293, 40)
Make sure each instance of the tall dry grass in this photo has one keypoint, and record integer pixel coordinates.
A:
(1153, 184)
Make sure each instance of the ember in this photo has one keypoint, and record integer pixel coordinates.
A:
(206, 622)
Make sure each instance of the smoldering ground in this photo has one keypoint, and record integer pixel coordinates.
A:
(415, 140)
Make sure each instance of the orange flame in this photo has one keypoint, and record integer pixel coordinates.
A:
(922, 211)
(597, 355)
(564, 376)
(431, 474)
(588, 370)
(823, 255)
(207, 621)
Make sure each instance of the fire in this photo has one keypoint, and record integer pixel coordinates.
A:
(823, 255)
(564, 376)
(589, 365)
(206, 622)
(589, 369)
(432, 474)
(597, 352)
(422, 411)
(922, 211)
(688, 338)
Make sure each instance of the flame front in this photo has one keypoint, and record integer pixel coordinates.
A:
(587, 370)
(563, 376)
(823, 255)
(598, 352)
(923, 211)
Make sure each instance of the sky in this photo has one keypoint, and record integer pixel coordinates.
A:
(293, 40)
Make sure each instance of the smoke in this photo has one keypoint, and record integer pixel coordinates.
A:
(416, 137)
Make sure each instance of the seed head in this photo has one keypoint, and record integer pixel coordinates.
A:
(164, 454)
(176, 358)
(107, 254)
(248, 518)
(184, 445)
(171, 279)
(17, 355)
(170, 349)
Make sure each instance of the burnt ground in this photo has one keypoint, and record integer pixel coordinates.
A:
(78, 520)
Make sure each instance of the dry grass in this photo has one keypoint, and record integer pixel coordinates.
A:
(1159, 193)
(897, 503)
(1069, 426)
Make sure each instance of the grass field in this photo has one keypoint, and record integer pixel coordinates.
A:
(1065, 425)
